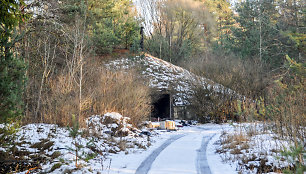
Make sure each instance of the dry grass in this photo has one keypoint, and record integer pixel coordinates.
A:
(122, 145)
(244, 146)
(102, 91)
(233, 143)
(240, 146)
(240, 138)
(236, 151)
(123, 93)
(233, 139)
(251, 131)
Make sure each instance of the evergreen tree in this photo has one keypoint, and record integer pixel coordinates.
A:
(291, 22)
(12, 68)
(10, 16)
(257, 36)
(223, 14)
(114, 24)
(12, 73)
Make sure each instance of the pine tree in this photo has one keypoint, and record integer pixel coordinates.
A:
(291, 22)
(257, 36)
(221, 9)
(12, 81)
(12, 68)
(114, 24)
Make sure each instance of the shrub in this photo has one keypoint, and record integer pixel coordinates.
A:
(286, 100)
(246, 77)
(296, 156)
(212, 105)
(103, 91)
(122, 92)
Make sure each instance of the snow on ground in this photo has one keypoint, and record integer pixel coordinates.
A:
(180, 156)
(52, 149)
(252, 148)
(128, 163)
(192, 149)
(215, 162)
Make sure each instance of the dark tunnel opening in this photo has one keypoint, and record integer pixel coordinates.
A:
(161, 107)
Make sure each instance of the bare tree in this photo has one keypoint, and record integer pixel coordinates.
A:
(75, 58)
(175, 28)
(47, 61)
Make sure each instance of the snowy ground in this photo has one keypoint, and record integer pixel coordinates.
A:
(209, 149)
(188, 150)
(49, 148)
(52, 149)
(179, 152)
(254, 148)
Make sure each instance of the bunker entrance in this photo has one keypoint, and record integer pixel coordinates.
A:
(161, 107)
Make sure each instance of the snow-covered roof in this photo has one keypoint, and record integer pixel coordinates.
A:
(163, 75)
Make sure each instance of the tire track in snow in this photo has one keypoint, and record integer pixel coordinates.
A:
(202, 164)
(147, 163)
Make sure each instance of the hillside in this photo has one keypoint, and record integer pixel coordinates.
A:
(165, 76)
